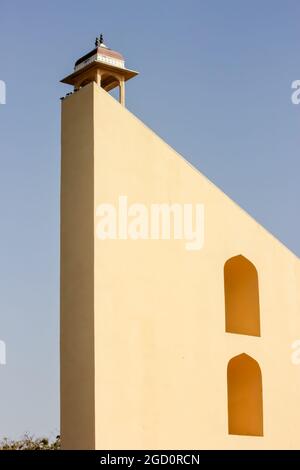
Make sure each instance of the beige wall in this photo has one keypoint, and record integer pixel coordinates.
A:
(77, 274)
(161, 351)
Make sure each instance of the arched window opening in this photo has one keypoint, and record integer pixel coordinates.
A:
(114, 85)
(241, 297)
(245, 402)
(85, 82)
(109, 82)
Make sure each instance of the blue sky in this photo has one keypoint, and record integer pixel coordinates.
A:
(215, 83)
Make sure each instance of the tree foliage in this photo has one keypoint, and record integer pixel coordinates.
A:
(28, 442)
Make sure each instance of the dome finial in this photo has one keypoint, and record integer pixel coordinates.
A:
(99, 41)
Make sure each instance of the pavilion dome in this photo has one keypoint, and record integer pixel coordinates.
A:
(101, 53)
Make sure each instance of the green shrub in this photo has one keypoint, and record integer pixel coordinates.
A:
(30, 443)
